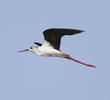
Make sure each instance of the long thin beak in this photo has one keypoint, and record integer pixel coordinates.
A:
(23, 50)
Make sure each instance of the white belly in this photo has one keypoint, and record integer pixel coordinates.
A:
(50, 52)
(41, 51)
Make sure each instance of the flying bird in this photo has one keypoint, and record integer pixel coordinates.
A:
(51, 45)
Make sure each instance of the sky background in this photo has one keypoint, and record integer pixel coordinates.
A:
(25, 76)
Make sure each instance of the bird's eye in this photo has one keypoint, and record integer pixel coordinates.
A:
(30, 47)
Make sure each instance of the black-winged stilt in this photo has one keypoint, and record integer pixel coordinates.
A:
(51, 45)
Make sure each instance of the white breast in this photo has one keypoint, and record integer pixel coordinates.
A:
(47, 50)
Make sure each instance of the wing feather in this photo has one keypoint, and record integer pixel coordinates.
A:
(54, 35)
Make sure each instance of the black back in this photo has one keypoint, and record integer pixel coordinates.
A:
(53, 36)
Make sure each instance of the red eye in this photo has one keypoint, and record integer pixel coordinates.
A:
(30, 47)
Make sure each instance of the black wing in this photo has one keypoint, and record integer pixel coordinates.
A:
(37, 43)
(53, 36)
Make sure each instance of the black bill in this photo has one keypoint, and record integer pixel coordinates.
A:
(23, 50)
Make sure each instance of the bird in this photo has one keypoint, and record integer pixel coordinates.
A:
(51, 44)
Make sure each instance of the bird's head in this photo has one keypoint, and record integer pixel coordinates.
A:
(31, 49)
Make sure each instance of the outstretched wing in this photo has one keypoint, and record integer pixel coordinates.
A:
(53, 36)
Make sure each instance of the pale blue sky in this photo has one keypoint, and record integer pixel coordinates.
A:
(26, 76)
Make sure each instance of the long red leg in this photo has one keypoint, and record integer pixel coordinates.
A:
(69, 57)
